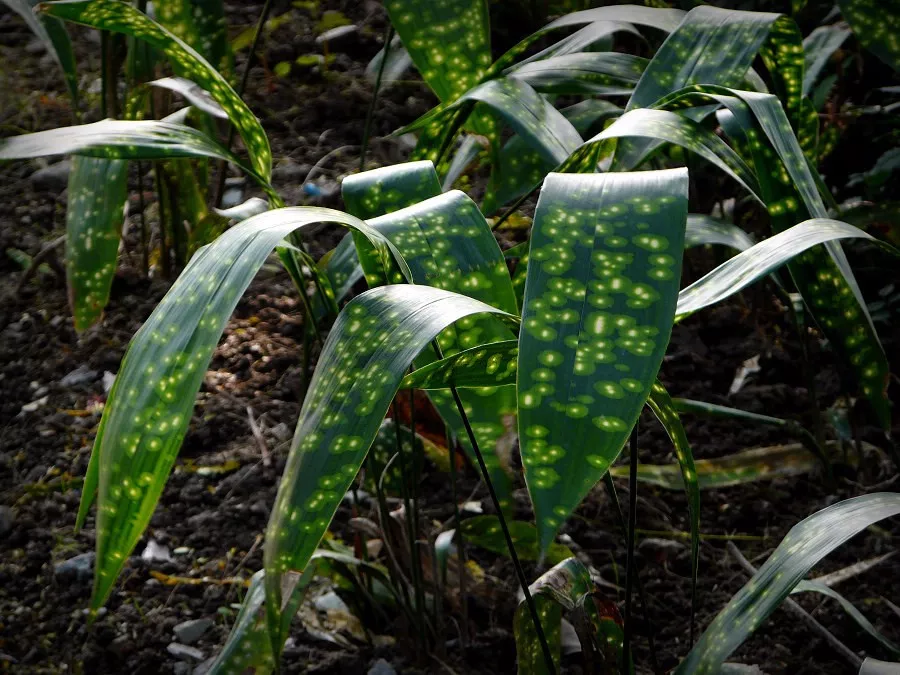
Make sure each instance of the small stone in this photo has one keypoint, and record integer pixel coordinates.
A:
(181, 668)
(53, 178)
(339, 38)
(81, 375)
(34, 405)
(184, 652)
(79, 568)
(382, 667)
(156, 552)
(188, 632)
(7, 518)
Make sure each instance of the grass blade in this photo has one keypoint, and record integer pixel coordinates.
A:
(120, 17)
(599, 300)
(806, 544)
(97, 192)
(150, 404)
(373, 342)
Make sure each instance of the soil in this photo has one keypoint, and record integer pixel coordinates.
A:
(212, 520)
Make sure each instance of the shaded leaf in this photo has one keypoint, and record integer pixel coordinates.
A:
(876, 24)
(485, 532)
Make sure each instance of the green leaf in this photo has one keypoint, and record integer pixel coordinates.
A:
(818, 48)
(806, 586)
(876, 24)
(759, 260)
(490, 365)
(747, 466)
(120, 17)
(584, 39)
(663, 407)
(519, 168)
(600, 294)
(97, 192)
(374, 340)
(193, 94)
(702, 230)
(55, 38)
(485, 532)
(202, 25)
(586, 73)
(150, 404)
(539, 124)
(803, 547)
(448, 244)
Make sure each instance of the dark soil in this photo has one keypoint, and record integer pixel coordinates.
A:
(213, 520)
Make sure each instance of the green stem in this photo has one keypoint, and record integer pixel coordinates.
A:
(370, 115)
(629, 561)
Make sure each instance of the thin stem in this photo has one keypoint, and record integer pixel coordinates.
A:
(651, 640)
(245, 76)
(523, 582)
(370, 115)
(460, 545)
(632, 526)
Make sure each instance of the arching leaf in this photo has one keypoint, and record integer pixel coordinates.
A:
(876, 24)
(120, 17)
(149, 407)
(605, 262)
(587, 73)
(489, 365)
(806, 544)
(702, 230)
(373, 342)
(94, 216)
(818, 48)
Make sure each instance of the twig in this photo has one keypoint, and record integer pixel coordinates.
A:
(258, 437)
(45, 253)
(848, 654)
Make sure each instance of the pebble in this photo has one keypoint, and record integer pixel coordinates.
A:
(184, 652)
(382, 667)
(79, 568)
(34, 405)
(188, 632)
(53, 178)
(81, 375)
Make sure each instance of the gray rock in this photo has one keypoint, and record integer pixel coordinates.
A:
(79, 568)
(290, 171)
(204, 667)
(7, 517)
(81, 375)
(54, 178)
(339, 38)
(181, 668)
(184, 652)
(188, 632)
(382, 667)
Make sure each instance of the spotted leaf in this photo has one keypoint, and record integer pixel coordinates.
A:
(119, 17)
(485, 532)
(760, 259)
(490, 365)
(150, 404)
(373, 342)
(538, 123)
(876, 24)
(94, 216)
(603, 273)
(519, 168)
(585, 73)
(803, 547)
(120, 139)
(448, 244)
(202, 25)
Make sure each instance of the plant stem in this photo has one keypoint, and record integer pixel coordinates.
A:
(523, 582)
(370, 115)
(460, 545)
(629, 561)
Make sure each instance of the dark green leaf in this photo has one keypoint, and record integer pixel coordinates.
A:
(818, 48)
(876, 24)
(489, 365)
(485, 532)
(586, 73)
